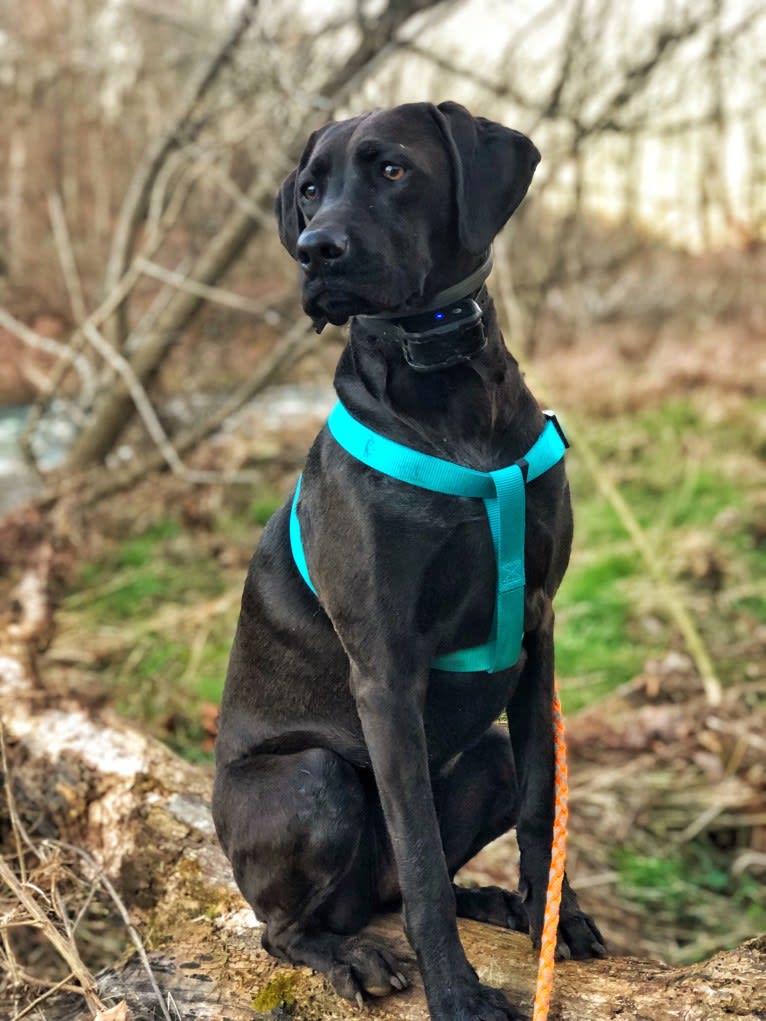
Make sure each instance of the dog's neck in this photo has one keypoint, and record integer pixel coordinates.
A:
(469, 409)
(444, 331)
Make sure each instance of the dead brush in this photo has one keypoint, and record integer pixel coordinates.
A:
(670, 796)
(61, 921)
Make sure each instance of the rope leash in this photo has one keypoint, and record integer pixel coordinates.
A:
(544, 986)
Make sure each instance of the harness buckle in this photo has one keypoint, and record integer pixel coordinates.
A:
(551, 416)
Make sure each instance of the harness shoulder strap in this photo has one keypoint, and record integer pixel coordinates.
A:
(403, 463)
(503, 492)
(296, 542)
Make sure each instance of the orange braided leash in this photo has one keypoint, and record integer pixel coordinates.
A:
(544, 987)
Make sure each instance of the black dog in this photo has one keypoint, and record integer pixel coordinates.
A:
(352, 774)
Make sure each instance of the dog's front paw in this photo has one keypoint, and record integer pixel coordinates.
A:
(578, 937)
(474, 1003)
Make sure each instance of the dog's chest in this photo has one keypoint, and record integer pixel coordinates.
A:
(451, 574)
(461, 707)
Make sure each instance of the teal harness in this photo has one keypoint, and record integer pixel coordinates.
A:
(504, 494)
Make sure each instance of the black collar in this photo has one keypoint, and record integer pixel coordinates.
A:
(445, 332)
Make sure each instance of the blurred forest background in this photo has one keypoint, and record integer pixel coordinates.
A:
(159, 384)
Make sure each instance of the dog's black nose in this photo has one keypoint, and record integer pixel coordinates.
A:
(321, 245)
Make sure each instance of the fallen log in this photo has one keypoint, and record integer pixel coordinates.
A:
(84, 778)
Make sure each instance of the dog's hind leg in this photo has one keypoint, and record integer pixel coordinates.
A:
(295, 828)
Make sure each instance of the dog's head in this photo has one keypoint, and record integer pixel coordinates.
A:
(388, 208)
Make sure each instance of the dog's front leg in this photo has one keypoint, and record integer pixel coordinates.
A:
(390, 709)
(530, 722)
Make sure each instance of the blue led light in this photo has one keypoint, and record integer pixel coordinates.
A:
(438, 315)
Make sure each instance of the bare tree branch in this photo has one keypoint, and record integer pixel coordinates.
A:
(217, 295)
(100, 483)
(179, 128)
(36, 341)
(66, 256)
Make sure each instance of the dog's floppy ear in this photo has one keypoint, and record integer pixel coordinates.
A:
(289, 216)
(493, 168)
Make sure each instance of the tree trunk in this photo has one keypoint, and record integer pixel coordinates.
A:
(143, 815)
(114, 409)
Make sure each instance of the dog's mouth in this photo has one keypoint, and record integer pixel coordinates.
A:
(336, 300)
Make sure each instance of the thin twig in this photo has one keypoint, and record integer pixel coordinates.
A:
(179, 129)
(157, 199)
(139, 396)
(240, 198)
(18, 830)
(135, 938)
(49, 346)
(506, 291)
(215, 294)
(67, 356)
(149, 417)
(12, 965)
(62, 986)
(65, 253)
(295, 344)
(66, 949)
(161, 220)
(153, 313)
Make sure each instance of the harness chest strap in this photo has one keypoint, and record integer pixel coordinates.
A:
(503, 492)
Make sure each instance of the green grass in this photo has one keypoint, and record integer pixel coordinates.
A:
(687, 890)
(264, 506)
(146, 572)
(594, 652)
(683, 478)
(672, 882)
(164, 667)
(142, 549)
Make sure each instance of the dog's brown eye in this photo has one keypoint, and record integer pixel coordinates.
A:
(309, 191)
(393, 172)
